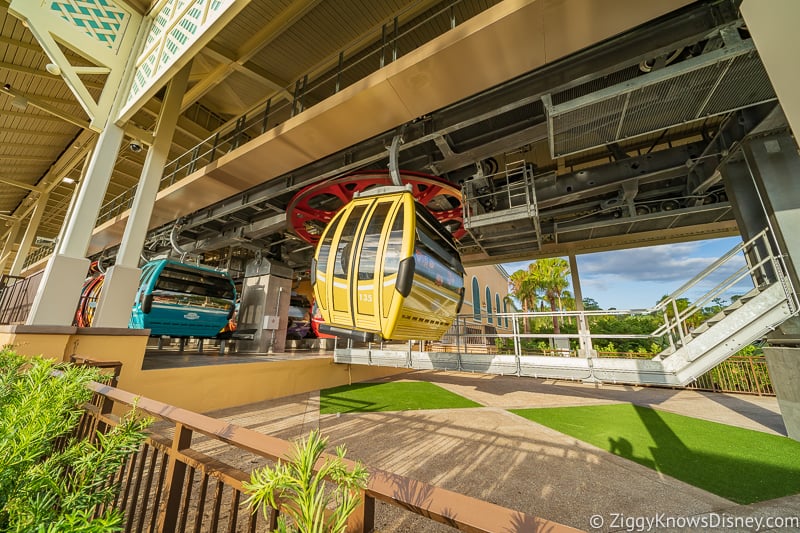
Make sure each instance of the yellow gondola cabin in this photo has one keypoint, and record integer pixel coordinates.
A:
(385, 268)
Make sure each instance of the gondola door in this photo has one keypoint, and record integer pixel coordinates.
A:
(363, 253)
(339, 270)
(369, 289)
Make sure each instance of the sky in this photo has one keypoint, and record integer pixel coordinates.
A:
(637, 278)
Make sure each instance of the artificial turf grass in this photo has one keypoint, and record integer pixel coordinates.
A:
(391, 396)
(742, 465)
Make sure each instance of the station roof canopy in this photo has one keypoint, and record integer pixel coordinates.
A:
(272, 48)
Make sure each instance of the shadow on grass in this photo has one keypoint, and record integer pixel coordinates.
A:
(741, 465)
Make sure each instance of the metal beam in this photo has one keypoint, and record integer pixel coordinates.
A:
(44, 106)
(20, 184)
(185, 124)
(256, 42)
(229, 63)
(575, 186)
(42, 74)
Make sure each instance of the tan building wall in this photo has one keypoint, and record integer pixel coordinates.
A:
(493, 278)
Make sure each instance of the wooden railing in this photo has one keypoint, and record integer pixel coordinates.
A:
(170, 485)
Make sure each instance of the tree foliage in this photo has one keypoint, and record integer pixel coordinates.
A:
(544, 280)
(49, 480)
(590, 304)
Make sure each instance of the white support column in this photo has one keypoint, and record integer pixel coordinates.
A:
(584, 340)
(75, 194)
(122, 279)
(61, 285)
(30, 233)
(11, 239)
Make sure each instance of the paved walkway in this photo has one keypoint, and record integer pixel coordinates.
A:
(497, 456)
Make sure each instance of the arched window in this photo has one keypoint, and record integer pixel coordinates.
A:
(497, 309)
(489, 317)
(476, 299)
(505, 310)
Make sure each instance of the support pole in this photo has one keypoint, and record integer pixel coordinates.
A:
(585, 348)
(774, 165)
(75, 194)
(122, 279)
(30, 233)
(11, 239)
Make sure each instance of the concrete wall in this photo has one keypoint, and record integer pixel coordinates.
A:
(782, 362)
(61, 342)
(207, 388)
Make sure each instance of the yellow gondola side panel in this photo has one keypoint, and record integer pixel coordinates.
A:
(322, 272)
(433, 301)
(374, 243)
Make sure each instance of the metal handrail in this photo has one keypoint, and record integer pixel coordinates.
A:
(712, 267)
(675, 321)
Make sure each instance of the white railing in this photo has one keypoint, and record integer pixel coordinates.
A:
(507, 334)
(762, 267)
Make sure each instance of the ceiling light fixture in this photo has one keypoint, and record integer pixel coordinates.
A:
(19, 102)
(67, 179)
(53, 69)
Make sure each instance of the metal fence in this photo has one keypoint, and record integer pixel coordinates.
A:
(747, 375)
(169, 485)
(16, 297)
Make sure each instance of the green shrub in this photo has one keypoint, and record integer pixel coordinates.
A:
(49, 480)
(301, 494)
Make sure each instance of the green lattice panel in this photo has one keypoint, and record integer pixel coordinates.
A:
(102, 20)
(174, 28)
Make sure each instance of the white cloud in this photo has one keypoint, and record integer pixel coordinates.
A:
(637, 278)
(656, 263)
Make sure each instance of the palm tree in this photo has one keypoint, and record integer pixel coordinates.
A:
(566, 302)
(549, 276)
(523, 288)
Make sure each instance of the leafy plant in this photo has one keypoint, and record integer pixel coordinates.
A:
(51, 481)
(302, 495)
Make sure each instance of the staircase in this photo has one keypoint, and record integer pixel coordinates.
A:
(690, 351)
